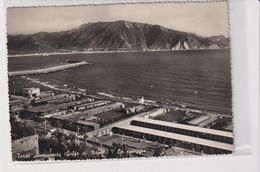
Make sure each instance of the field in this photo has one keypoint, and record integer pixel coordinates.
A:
(172, 116)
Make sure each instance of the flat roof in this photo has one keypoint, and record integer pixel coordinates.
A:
(151, 111)
(82, 113)
(91, 103)
(199, 119)
(66, 116)
(208, 121)
(229, 126)
(186, 127)
(180, 137)
(86, 123)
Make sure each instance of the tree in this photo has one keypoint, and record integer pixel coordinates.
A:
(118, 151)
(158, 152)
(20, 129)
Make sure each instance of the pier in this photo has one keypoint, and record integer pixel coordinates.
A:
(47, 70)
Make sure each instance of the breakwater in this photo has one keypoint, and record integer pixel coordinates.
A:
(47, 70)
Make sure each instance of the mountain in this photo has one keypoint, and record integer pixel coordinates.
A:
(113, 36)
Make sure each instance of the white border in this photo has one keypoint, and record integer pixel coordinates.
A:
(244, 21)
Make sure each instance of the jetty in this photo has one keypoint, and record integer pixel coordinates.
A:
(47, 70)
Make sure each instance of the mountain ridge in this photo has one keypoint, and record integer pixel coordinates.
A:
(113, 36)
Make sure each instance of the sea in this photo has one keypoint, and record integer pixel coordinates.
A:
(194, 78)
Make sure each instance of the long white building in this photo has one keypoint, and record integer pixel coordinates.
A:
(190, 137)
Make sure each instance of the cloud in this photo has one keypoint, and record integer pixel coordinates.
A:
(206, 19)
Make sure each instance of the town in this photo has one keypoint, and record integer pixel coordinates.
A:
(62, 124)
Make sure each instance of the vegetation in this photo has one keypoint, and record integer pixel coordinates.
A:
(118, 151)
(67, 146)
(159, 151)
(20, 129)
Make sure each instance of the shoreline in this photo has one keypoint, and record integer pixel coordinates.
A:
(104, 52)
(102, 95)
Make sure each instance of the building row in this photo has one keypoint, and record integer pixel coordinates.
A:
(91, 112)
(91, 105)
(154, 113)
(78, 125)
(198, 139)
(192, 131)
(73, 120)
(79, 102)
(62, 98)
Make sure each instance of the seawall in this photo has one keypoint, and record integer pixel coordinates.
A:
(47, 70)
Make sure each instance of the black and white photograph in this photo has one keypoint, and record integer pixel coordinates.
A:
(119, 81)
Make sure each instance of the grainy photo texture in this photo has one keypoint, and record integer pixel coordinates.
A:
(119, 81)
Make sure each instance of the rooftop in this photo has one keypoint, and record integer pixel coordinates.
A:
(86, 123)
(186, 127)
(91, 103)
(180, 137)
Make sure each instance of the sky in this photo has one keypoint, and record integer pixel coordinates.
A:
(204, 18)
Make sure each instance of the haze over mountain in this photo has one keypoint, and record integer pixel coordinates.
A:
(113, 36)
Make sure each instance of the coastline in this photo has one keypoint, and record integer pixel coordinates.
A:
(104, 52)
(102, 95)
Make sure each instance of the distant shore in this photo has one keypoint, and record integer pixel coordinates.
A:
(94, 52)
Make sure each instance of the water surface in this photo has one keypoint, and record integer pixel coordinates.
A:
(199, 78)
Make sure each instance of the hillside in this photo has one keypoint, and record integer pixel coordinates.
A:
(113, 36)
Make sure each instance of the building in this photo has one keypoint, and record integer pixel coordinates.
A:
(203, 121)
(64, 99)
(147, 102)
(73, 103)
(54, 99)
(154, 113)
(71, 121)
(91, 105)
(74, 125)
(135, 109)
(91, 118)
(31, 92)
(90, 112)
(31, 115)
(229, 126)
(198, 120)
(45, 94)
(208, 122)
(105, 108)
(192, 143)
(58, 113)
(198, 139)
(87, 126)
(193, 131)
